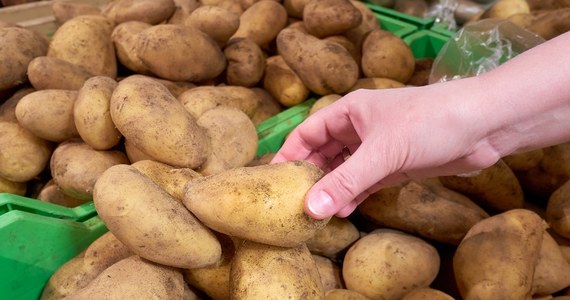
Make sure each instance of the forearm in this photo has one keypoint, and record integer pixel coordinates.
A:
(525, 103)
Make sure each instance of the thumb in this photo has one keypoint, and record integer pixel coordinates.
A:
(338, 188)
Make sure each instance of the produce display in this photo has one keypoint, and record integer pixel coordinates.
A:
(150, 111)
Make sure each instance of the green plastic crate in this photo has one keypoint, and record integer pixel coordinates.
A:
(397, 27)
(441, 28)
(36, 238)
(426, 43)
(419, 23)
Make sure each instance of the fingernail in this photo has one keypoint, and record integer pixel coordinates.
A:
(320, 204)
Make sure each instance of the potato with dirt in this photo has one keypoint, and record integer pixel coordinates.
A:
(262, 22)
(246, 62)
(386, 55)
(149, 11)
(217, 22)
(47, 73)
(324, 18)
(283, 83)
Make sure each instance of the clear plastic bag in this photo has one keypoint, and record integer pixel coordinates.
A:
(443, 11)
(480, 47)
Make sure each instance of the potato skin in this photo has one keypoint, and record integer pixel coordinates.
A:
(269, 197)
(331, 240)
(217, 22)
(387, 56)
(167, 50)
(329, 17)
(557, 210)
(64, 11)
(490, 263)
(325, 67)
(91, 113)
(369, 22)
(86, 41)
(323, 102)
(260, 271)
(376, 84)
(46, 72)
(23, 155)
(233, 139)
(124, 38)
(387, 264)
(283, 83)
(262, 22)
(139, 107)
(171, 179)
(200, 99)
(51, 193)
(48, 114)
(16, 188)
(148, 11)
(170, 234)
(246, 62)
(75, 167)
(19, 47)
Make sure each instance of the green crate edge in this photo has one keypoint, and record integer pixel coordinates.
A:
(426, 43)
(420, 23)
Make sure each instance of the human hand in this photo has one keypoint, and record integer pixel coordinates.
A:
(390, 136)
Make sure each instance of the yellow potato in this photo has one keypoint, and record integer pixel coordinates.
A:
(171, 136)
(330, 17)
(67, 279)
(46, 72)
(169, 235)
(64, 11)
(19, 47)
(171, 179)
(369, 22)
(295, 7)
(490, 262)
(427, 293)
(329, 273)
(52, 193)
(324, 67)
(261, 22)
(260, 271)
(91, 113)
(23, 155)
(503, 9)
(323, 102)
(524, 161)
(283, 83)
(217, 22)
(16, 188)
(267, 107)
(75, 167)
(387, 264)
(386, 55)
(8, 107)
(233, 139)
(124, 38)
(558, 211)
(376, 84)
(270, 199)
(148, 11)
(552, 272)
(331, 240)
(344, 294)
(167, 50)
(134, 278)
(86, 41)
(246, 62)
(200, 99)
(183, 9)
(135, 154)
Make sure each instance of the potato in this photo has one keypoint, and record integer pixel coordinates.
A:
(64, 11)
(167, 50)
(134, 278)
(267, 107)
(524, 161)
(552, 272)
(261, 22)
(433, 212)
(233, 139)
(495, 187)
(387, 264)
(246, 62)
(48, 114)
(124, 38)
(375, 84)
(412, 7)
(467, 10)
(490, 262)
(324, 67)
(217, 22)
(71, 277)
(427, 293)
(331, 240)
(283, 83)
(503, 9)
(171, 136)
(547, 4)
(16, 188)
(330, 17)
(183, 9)
(329, 273)
(8, 107)
(19, 47)
(270, 198)
(170, 234)
(295, 8)
(323, 102)
(344, 294)
(148, 11)
(86, 41)
(51, 193)
(558, 212)
(75, 167)
(176, 88)
(91, 113)
(260, 271)
(23, 155)
(46, 73)
(214, 280)
(78, 272)
(200, 99)
(369, 22)
(346, 44)
(422, 70)
(171, 179)
(135, 154)
(386, 55)
(556, 159)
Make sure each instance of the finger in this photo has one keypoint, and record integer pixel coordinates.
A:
(343, 184)
(347, 210)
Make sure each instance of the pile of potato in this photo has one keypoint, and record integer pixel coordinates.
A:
(149, 110)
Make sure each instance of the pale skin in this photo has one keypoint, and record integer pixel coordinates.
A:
(440, 129)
